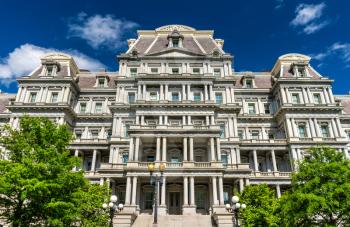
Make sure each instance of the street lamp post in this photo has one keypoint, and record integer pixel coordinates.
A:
(156, 181)
(234, 208)
(113, 208)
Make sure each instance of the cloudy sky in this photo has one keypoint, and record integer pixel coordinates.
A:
(256, 32)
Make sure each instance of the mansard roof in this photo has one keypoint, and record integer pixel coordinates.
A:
(4, 101)
(88, 80)
(150, 42)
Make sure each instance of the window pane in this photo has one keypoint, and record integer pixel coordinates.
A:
(131, 97)
(175, 96)
(218, 98)
(222, 131)
(127, 130)
(175, 70)
(98, 108)
(302, 133)
(267, 108)
(82, 107)
(54, 97)
(32, 97)
(133, 71)
(251, 108)
(217, 72)
(197, 97)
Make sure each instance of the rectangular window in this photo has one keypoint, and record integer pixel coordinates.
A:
(82, 107)
(324, 131)
(54, 97)
(217, 72)
(222, 131)
(302, 131)
(174, 160)
(249, 84)
(240, 134)
(131, 97)
(49, 70)
(224, 159)
(295, 98)
(175, 43)
(196, 70)
(32, 97)
(317, 98)
(175, 96)
(127, 127)
(98, 107)
(267, 108)
(197, 97)
(153, 96)
(94, 134)
(150, 158)
(301, 72)
(154, 70)
(218, 98)
(125, 158)
(133, 72)
(255, 134)
(251, 108)
(78, 134)
(175, 70)
(101, 82)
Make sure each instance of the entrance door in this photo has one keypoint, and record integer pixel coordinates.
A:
(174, 203)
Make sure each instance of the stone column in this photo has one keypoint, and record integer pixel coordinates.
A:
(161, 92)
(305, 99)
(186, 191)
(114, 126)
(127, 191)
(317, 128)
(144, 92)
(139, 95)
(288, 95)
(188, 92)
(238, 153)
(235, 128)
(137, 147)
(158, 150)
(163, 192)
(325, 94)
(255, 158)
(93, 164)
(295, 132)
(131, 149)
(185, 149)
(278, 190)
(164, 146)
(191, 149)
(211, 94)
(192, 190)
(205, 92)
(212, 149)
(340, 130)
(289, 128)
(330, 94)
(312, 128)
(134, 188)
(221, 191)
(215, 193)
(241, 185)
(189, 122)
(334, 128)
(183, 92)
(218, 148)
(273, 157)
(284, 99)
(166, 92)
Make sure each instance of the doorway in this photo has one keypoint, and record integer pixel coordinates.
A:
(174, 203)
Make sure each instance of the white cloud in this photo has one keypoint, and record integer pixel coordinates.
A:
(279, 4)
(340, 50)
(308, 16)
(314, 27)
(26, 58)
(101, 31)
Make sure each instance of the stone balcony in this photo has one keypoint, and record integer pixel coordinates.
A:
(258, 174)
(263, 141)
(175, 127)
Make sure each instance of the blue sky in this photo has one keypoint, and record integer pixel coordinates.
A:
(256, 32)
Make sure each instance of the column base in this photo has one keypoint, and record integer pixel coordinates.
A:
(124, 219)
(219, 209)
(162, 210)
(130, 208)
(189, 209)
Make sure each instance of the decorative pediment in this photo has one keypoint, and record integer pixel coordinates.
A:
(173, 27)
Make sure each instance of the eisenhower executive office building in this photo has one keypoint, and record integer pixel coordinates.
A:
(177, 100)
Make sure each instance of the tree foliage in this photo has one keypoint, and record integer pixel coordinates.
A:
(261, 203)
(320, 193)
(37, 184)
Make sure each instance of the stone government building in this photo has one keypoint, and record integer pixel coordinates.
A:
(177, 100)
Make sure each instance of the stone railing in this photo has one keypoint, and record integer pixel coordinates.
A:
(174, 164)
(202, 164)
(271, 174)
(119, 166)
(185, 127)
(263, 140)
(238, 166)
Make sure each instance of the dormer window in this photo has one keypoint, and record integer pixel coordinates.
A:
(175, 43)
(217, 72)
(301, 71)
(49, 70)
(101, 82)
(175, 70)
(154, 70)
(249, 83)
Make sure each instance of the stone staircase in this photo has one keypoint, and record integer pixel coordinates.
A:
(146, 220)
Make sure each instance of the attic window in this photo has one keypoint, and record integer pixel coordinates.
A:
(301, 71)
(175, 43)
(101, 82)
(49, 70)
(249, 83)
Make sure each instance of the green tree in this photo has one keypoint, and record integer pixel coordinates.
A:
(261, 203)
(320, 193)
(37, 184)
